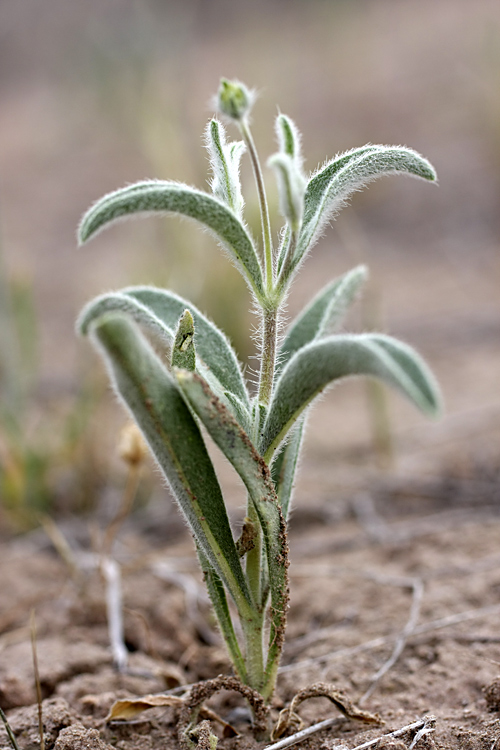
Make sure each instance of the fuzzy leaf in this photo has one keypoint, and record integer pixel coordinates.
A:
(324, 313)
(183, 351)
(330, 187)
(158, 311)
(153, 398)
(225, 164)
(287, 164)
(291, 186)
(240, 451)
(289, 138)
(157, 196)
(323, 361)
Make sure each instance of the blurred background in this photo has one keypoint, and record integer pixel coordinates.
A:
(98, 94)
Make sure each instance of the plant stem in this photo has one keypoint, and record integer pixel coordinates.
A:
(268, 354)
(254, 657)
(254, 556)
(264, 210)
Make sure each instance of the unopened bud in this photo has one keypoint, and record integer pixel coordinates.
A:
(234, 99)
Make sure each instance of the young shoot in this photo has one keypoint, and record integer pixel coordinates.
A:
(198, 382)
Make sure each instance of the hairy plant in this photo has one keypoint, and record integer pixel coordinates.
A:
(196, 379)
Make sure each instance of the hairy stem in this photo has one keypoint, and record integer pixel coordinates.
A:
(254, 556)
(268, 354)
(264, 210)
(254, 656)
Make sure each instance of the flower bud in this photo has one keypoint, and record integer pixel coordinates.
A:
(234, 99)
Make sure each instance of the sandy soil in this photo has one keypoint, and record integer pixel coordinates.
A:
(398, 560)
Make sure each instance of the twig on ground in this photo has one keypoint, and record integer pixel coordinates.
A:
(423, 726)
(417, 593)
(298, 736)
(426, 723)
(427, 729)
(425, 627)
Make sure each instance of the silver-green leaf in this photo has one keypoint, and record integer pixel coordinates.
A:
(158, 310)
(225, 165)
(330, 187)
(152, 396)
(324, 361)
(324, 313)
(289, 138)
(284, 467)
(164, 197)
(240, 451)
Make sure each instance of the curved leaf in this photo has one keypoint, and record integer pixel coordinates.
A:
(240, 451)
(158, 311)
(291, 186)
(323, 361)
(331, 186)
(157, 196)
(324, 313)
(289, 138)
(225, 164)
(153, 398)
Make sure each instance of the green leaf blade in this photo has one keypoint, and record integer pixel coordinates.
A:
(324, 313)
(240, 451)
(284, 468)
(324, 361)
(163, 197)
(225, 165)
(151, 395)
(158, 311)
(332, 185)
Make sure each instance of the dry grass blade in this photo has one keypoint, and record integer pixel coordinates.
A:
(9, 731)
(304, 733)
(61, 545)
(423, 727)
(132, 450)
(38, 686)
